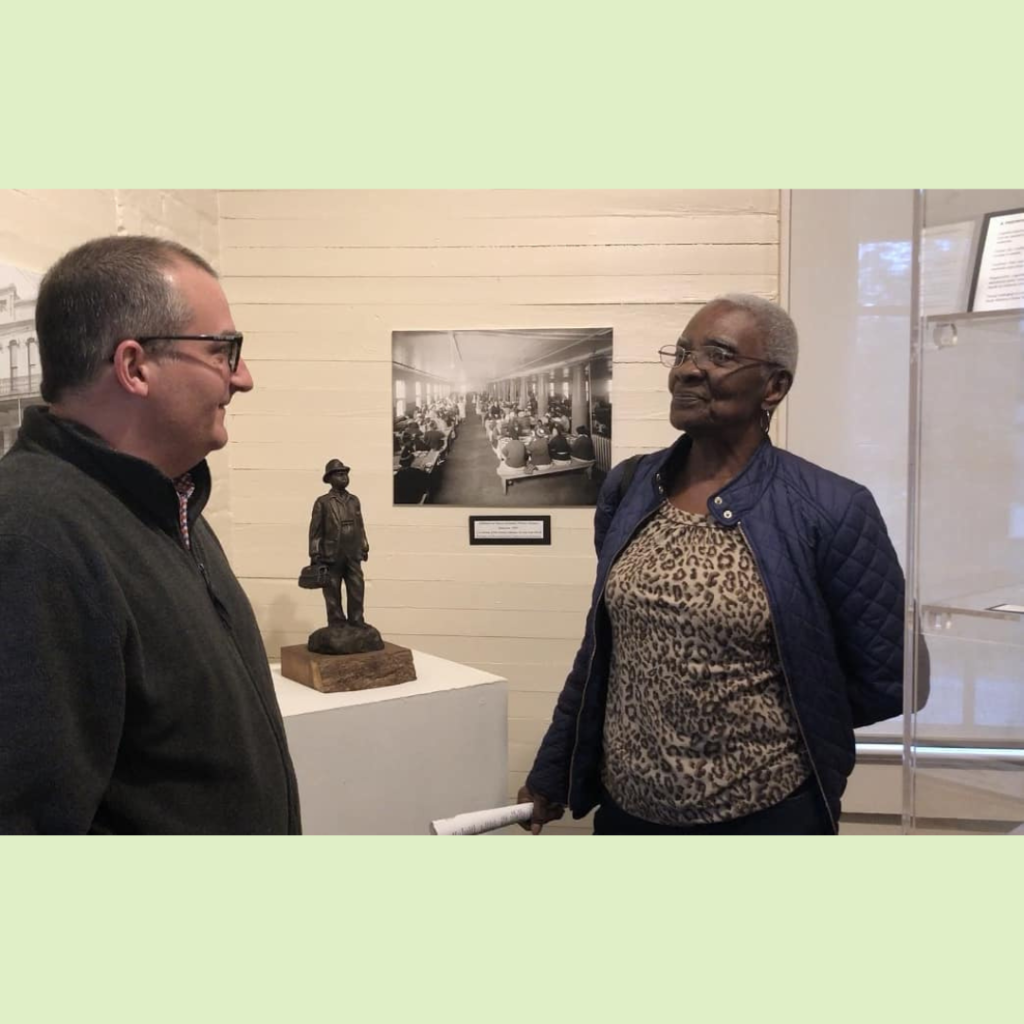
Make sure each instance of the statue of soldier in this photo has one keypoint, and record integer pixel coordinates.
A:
(337, 541)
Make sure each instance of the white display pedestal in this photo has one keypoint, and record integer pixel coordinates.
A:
(390, 761)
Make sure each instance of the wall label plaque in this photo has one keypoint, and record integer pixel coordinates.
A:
(510, 529)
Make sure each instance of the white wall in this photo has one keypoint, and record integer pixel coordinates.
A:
(319, 280)
(848, 410)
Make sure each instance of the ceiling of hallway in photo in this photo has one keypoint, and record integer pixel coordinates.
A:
(476, 358)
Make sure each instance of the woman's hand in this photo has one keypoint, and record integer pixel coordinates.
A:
(543, 810)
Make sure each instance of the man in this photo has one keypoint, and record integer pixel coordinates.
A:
(337, 538)
(582, 446)
(540, 454)
(411, 483)
(515, 453)
(558, 446)
(135, 694)
(434, 437)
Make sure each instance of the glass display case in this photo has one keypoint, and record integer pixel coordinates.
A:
(964, 749)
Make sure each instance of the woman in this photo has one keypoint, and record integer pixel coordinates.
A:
(747, 615)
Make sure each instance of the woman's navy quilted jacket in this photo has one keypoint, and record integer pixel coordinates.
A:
(835, 590)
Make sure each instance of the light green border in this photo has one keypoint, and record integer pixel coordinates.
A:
(536, 94)
(618, 929)
(566, 95)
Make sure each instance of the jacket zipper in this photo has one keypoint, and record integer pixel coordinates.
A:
(583, 694)
(222, 612)
(597, 612)
(789, 688)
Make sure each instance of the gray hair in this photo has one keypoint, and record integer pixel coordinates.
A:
(774, 323)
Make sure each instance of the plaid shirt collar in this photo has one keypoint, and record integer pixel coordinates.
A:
(185, 488)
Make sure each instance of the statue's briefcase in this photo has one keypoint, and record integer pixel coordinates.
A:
(313, 577)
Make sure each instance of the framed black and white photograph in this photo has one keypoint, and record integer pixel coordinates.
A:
(501, 418)
(20, 374)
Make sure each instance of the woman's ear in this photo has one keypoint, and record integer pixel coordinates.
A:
(777, 388)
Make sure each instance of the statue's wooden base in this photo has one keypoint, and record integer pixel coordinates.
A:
(330, 673)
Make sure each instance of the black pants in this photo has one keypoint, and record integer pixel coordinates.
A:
(349, 571)
(802, 813)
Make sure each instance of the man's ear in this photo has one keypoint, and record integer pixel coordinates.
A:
(131, 368)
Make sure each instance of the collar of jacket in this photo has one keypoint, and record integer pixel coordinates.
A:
(738, 496)
(139, 484)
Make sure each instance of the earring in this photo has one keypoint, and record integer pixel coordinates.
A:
(766, 419)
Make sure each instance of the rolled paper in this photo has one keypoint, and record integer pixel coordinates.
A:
(474, 822)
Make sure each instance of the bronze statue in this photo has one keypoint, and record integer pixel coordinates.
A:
(337, 549)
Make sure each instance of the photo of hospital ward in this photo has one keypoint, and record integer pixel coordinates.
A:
(501, 418)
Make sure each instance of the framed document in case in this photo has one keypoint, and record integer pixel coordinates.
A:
(999, 270)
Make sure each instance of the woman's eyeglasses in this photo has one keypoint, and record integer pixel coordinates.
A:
(712, 356)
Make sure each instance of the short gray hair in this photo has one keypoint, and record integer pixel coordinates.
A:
(774, 323)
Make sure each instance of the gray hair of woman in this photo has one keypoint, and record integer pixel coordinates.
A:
(775, 325)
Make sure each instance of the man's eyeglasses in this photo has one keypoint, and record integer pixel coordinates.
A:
(714, 355)
(233, 343)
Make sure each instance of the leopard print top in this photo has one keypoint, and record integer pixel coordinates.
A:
(699, 726)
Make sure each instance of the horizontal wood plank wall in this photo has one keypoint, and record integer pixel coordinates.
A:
(319, 280)
(38, 225)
